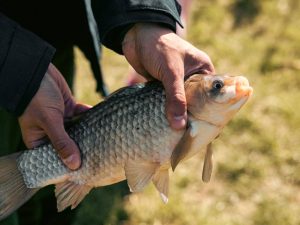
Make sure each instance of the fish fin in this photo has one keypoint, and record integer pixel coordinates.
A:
(208, 164)
(161, 182)
(138, 175)
(13, 190)
(70, 194)
(183, 147)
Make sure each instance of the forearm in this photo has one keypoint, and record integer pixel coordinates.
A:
(115, 17)
(24, 59)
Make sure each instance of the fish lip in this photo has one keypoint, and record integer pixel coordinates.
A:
(250, 91)
(244, 91)
(243, 87)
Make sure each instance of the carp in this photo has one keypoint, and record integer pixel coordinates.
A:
(126, 136)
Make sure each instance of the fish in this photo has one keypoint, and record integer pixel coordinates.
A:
(126, 136)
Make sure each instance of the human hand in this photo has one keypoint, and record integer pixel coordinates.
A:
(157, 52)
(44, 116)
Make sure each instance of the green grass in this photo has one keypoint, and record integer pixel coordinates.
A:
(256, 176)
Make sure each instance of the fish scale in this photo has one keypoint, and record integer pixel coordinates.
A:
(142, 133)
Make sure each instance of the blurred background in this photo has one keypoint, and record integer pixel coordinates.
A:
(256, 175)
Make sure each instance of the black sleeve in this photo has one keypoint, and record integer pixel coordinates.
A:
(116, 17)
(24, 59)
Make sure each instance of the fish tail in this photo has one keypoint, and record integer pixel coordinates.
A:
(13, 190)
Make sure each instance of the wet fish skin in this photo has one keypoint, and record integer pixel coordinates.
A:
(127, 136)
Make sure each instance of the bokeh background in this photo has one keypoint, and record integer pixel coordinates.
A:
(256, 175)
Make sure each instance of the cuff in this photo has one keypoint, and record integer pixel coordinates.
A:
(26, 60)
(113, 37)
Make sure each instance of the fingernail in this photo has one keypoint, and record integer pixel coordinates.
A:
(72, 162)
(179, 122)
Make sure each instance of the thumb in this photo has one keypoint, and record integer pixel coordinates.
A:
(64, 145)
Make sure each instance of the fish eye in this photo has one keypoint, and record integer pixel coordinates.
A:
(217, 84)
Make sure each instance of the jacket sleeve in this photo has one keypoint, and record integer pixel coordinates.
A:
(116, 17)
(24, 59)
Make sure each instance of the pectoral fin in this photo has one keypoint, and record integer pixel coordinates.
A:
(182, 148)
(208, 164)
(161, 182)
(139, 174)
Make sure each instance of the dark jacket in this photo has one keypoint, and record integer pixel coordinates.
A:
(25, 56)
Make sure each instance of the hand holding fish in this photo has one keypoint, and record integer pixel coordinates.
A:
(157, 52)
(45, 115)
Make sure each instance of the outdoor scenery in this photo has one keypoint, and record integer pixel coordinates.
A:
(256, 175)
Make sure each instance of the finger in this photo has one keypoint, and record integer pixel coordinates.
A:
(60, 82)
(197, 61)
(207, 68)
(74, 109)
(176, 101)
(64, 145)
(71, 107)
(81, 108)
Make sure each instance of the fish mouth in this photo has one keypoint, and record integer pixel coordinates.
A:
(243, 89)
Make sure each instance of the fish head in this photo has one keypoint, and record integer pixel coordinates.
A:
(215, 98)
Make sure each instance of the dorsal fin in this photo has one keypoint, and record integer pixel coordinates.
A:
(70, 194)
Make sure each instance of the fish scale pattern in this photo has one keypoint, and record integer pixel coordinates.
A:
(40, 164)
(129, 126)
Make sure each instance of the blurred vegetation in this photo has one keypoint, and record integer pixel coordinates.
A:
(256, 178)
